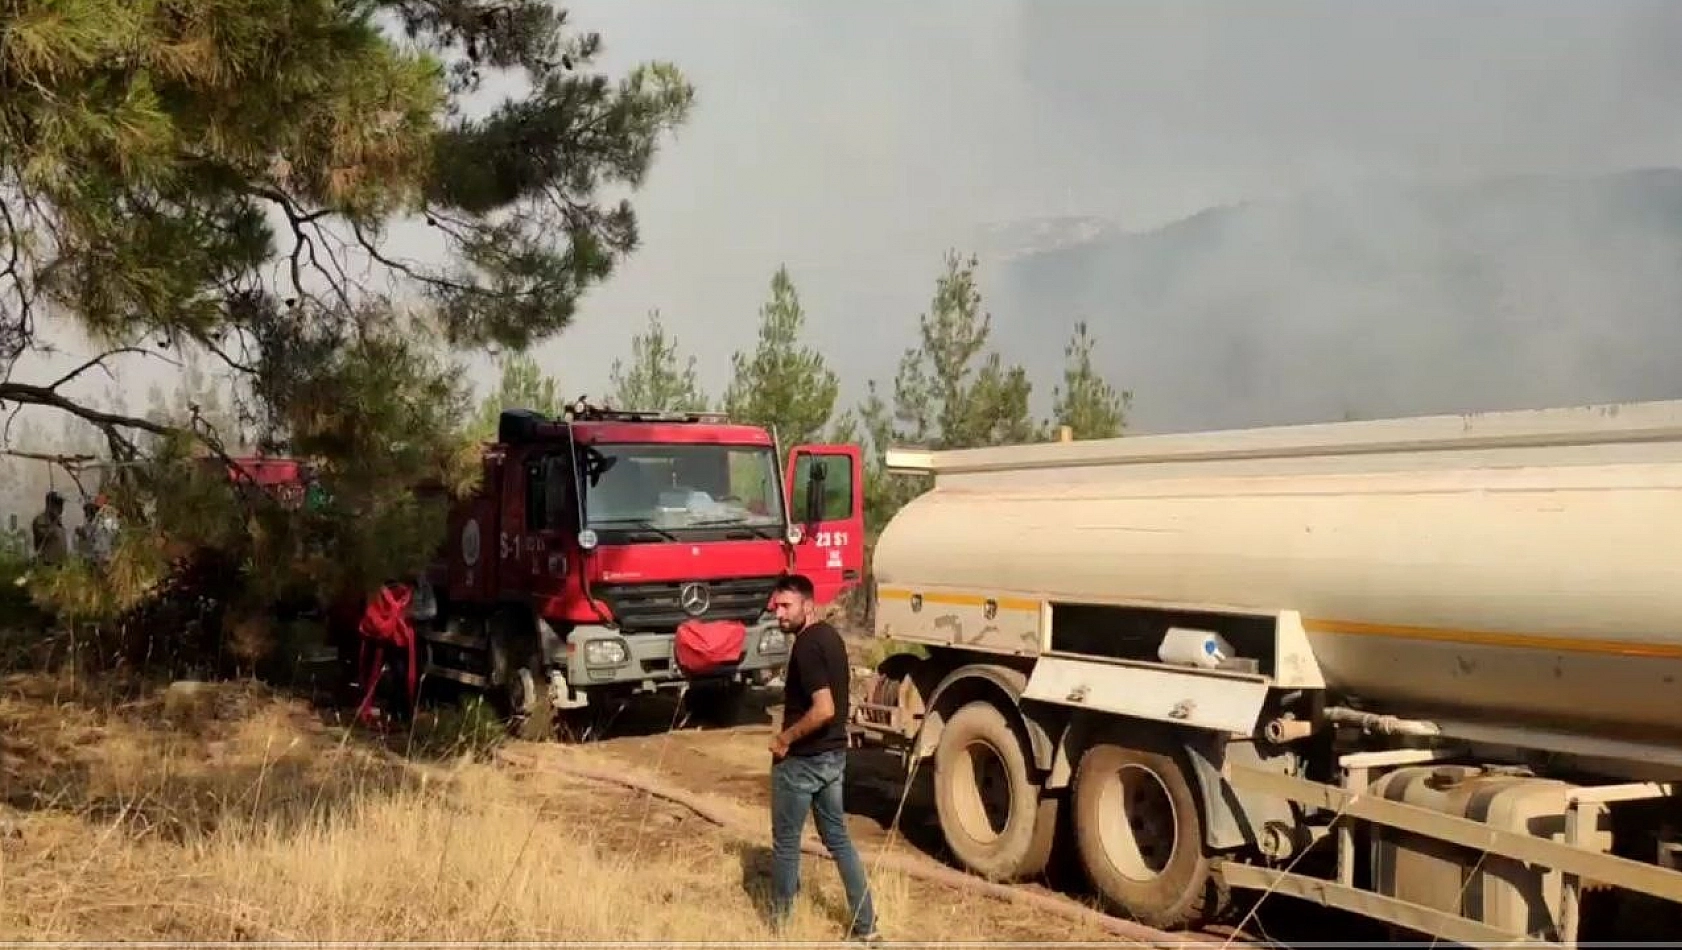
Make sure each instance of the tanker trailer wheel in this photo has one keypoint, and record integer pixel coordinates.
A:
(991, 812)
(1140, 837)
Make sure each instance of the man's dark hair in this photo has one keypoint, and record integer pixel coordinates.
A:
(797, 583)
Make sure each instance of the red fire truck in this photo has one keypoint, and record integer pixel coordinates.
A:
(608, 554)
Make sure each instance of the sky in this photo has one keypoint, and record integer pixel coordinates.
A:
(857, 142)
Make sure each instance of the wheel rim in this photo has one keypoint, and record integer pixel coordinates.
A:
(1137, 823)
(982, 793)
(522, 693)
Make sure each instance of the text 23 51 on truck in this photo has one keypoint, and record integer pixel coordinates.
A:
(607, 554)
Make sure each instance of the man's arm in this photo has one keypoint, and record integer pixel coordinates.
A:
(822, 711)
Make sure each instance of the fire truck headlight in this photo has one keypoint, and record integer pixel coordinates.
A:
(772, 641)
(587, 540)
(605, 653)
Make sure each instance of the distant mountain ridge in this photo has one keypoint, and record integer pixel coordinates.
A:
(1519, 292)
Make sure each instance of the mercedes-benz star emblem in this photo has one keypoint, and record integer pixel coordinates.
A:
(694, 599)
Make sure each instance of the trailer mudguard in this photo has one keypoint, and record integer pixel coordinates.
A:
(977, 680)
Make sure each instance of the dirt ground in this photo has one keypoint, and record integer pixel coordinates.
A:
(887, 812)
(733, 762)
(227, 812)
(231, 812)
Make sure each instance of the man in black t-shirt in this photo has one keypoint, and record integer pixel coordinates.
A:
(809, 758)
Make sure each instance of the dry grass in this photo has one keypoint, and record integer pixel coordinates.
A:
(249, 819)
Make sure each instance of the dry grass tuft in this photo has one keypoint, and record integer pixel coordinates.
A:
(237, 815)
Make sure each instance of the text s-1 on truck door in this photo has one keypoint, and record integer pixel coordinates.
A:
(826, 498)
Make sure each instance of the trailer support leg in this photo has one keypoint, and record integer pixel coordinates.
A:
(1570, 885)
(1355, 778)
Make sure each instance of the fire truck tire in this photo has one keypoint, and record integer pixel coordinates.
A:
(980, 757)
(519, 688)
(532, 716)
(1139, 835)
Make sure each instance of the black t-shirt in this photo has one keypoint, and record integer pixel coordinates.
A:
(817, 661)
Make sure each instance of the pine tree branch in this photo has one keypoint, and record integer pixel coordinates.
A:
(99, 363)
(110, 423)
(18, 329)
(304, 244)
(440, 282)
(217, 351)
(71, 464)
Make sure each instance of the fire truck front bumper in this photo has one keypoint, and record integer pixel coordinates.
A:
(644, 662)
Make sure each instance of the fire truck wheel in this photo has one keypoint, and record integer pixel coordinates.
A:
(991, 812)
(531, 715)
(1140, 837)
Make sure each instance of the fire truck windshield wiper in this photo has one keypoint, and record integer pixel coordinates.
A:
(636, 524)
(757, 530)
(714, 522)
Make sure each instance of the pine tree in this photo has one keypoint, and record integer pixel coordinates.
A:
(161, 162)
(145, 147)
(656, 380)
(522, 385)
(782, 384)
(950, 392)
(1086, 403)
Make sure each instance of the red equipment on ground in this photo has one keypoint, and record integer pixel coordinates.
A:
(385, 623)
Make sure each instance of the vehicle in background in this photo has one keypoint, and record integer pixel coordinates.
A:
(611, 554)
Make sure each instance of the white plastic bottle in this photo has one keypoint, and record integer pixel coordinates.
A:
(1201, 648)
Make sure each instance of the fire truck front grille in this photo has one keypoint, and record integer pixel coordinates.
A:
(660, 607)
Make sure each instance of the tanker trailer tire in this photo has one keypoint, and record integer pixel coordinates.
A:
(1139, 837)
(980, 756)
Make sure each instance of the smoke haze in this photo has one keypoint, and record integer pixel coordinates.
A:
(1063, 140)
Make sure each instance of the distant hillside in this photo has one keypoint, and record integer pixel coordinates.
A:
(1516, 293)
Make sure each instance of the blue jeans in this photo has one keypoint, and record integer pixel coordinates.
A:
(802, 784)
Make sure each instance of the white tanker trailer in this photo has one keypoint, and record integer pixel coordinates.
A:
(1428, 670)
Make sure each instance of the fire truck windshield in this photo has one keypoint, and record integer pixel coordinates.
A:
(673, 487)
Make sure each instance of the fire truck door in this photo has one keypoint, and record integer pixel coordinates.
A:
(826, 498)
(549, 522)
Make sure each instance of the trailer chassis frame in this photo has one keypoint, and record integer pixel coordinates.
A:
(1351, 803)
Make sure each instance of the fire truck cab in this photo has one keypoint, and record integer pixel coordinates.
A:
(592, 538)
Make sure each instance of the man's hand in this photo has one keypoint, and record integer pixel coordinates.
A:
(822, 711)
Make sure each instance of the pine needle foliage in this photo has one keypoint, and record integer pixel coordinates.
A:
(221, 176)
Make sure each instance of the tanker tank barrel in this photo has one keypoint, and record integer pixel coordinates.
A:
(1575, 427)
